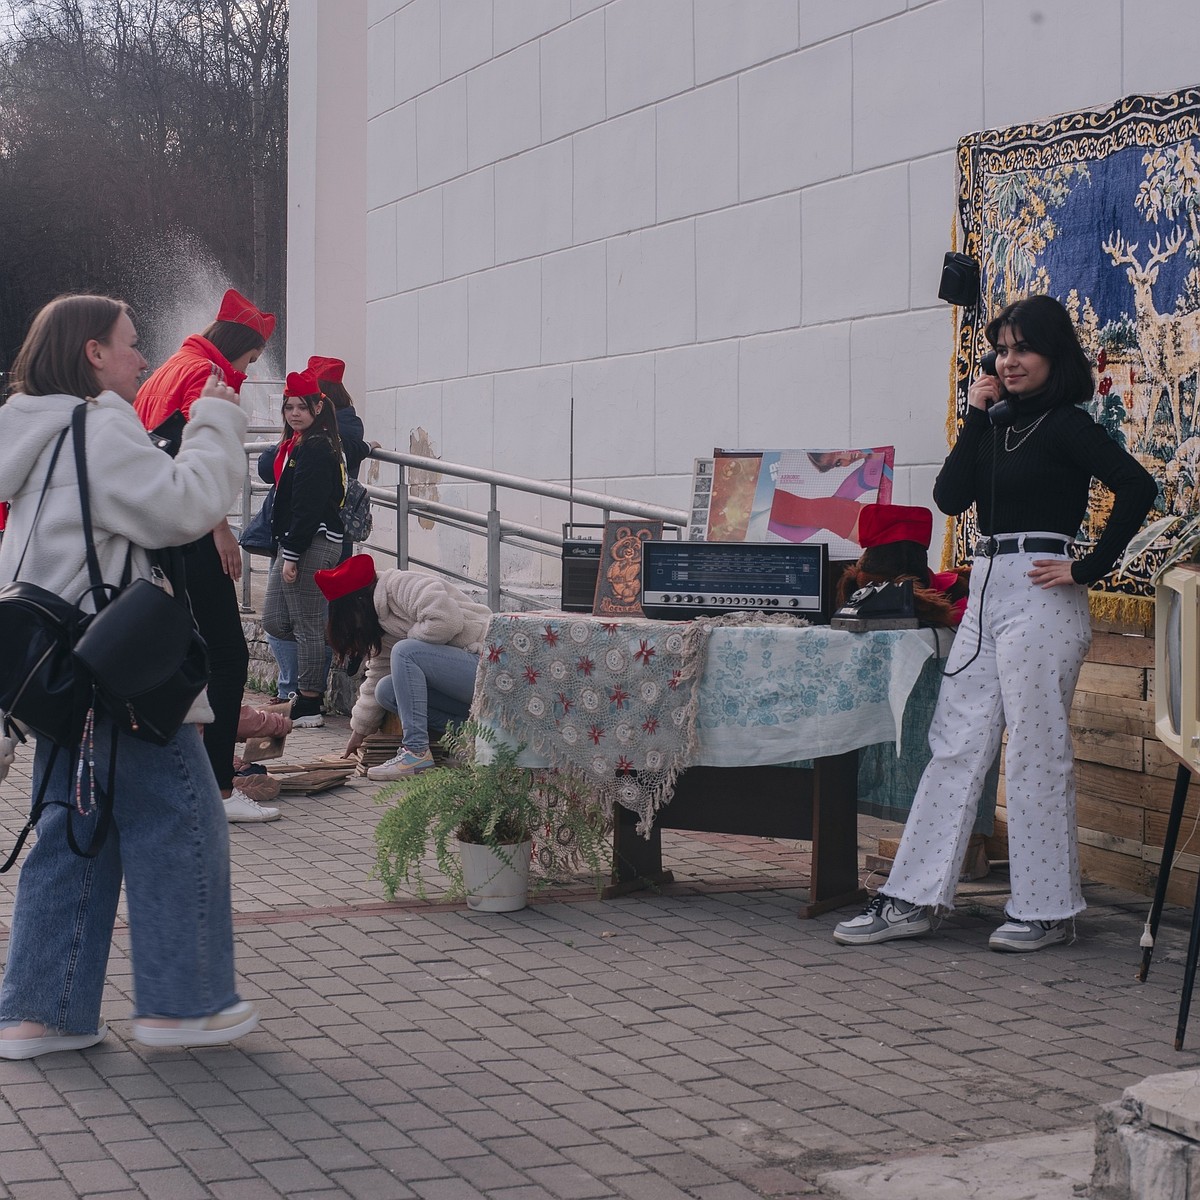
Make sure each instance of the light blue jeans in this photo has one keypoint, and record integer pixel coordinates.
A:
(430, 686)
(287, 658)
(170, 839)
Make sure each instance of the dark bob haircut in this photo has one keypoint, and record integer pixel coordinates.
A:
(1045, 326)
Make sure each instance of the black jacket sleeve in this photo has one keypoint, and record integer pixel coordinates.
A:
(354, 446)
(266, 465)
(1134, 491)
(954, 490)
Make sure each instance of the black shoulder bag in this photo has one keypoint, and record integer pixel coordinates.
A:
(138, 658)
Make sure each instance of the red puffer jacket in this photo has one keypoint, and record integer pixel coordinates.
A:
(181, 379)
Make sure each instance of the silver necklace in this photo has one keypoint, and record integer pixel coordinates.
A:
(1025, 433)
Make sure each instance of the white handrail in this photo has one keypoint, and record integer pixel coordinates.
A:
(489, 524)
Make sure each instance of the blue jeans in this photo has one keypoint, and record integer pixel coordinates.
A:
(287, 658)
(170, 839)
(430, 685)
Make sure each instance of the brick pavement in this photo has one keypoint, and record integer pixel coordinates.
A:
(703, 1043)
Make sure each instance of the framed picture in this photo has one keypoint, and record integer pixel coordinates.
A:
(619, 581)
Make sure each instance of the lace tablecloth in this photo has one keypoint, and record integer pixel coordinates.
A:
(612, 701)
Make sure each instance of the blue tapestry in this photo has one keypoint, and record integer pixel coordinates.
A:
(1100, 209)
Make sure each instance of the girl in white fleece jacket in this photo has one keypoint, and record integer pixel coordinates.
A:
(169, 840)
(422, 637)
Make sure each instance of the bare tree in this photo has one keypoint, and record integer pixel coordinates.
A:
(127, 123)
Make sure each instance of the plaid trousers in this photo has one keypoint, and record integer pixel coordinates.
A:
(297, 611)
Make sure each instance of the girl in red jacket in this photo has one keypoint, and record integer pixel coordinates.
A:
(214, 564)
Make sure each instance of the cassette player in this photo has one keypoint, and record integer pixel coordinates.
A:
(704, 579)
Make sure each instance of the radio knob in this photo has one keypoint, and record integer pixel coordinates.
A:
(774, 603)
(793, 603)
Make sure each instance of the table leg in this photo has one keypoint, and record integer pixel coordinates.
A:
(835, 882)
(637, 861)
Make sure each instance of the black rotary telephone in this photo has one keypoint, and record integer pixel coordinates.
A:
(1002, 412)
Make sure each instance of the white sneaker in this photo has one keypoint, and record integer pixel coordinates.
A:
(49, 1041)
(883, 919)
(1020, 937)
(402, 765)
(240, 807)
(215, 1030)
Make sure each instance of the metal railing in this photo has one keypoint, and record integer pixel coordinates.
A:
(488, 524)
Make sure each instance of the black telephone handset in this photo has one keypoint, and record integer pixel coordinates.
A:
(1001, 413)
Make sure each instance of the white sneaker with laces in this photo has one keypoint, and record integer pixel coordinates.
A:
(1018, 937)
(404, 764)
(882, 920)
(239, 807)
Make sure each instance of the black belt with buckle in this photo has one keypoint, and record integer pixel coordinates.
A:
(987, 547)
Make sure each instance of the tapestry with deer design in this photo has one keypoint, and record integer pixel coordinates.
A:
(1100, 209)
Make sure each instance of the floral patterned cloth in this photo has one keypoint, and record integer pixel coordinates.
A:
(770, 694)
(612, 701)
(628, 704)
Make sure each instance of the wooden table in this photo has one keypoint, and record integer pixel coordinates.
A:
(766, 696)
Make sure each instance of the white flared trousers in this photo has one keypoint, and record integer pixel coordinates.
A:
(1029, 656)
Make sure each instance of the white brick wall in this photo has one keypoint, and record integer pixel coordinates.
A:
(713, 222)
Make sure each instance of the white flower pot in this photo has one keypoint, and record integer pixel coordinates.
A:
(494, 882)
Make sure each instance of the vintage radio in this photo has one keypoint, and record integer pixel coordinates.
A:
(580, 566)
(701, 579)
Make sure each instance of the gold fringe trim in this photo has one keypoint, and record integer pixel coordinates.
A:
(1121, 610)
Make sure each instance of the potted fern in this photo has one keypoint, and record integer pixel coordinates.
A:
(481, 814)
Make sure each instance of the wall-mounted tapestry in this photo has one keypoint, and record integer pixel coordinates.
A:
(1100, 209)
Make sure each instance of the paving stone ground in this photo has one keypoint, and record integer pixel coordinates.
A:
(704, 1042)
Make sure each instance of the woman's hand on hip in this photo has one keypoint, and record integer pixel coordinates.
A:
(1052, 572)
(289, 572)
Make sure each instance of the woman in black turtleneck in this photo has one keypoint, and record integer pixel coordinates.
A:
(1023, 638)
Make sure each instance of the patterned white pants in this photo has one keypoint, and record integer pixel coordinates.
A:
(1033, 645)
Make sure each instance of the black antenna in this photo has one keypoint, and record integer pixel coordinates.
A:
(571, 468)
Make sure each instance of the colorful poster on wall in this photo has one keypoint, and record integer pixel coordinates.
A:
(798, 495)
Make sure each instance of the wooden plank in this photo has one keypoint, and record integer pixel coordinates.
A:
(1113, 680)
(310, 782)
(1117, 713)
(1099, 840)
(1122, 750)
(1121, 650)
(1189, 828)
(1111, 783)
(1119, 870)
(1160, 762)
(1123, 820)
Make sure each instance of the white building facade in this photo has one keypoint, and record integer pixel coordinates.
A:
(709, 222)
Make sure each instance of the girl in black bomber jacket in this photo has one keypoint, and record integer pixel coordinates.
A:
(310, 485)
